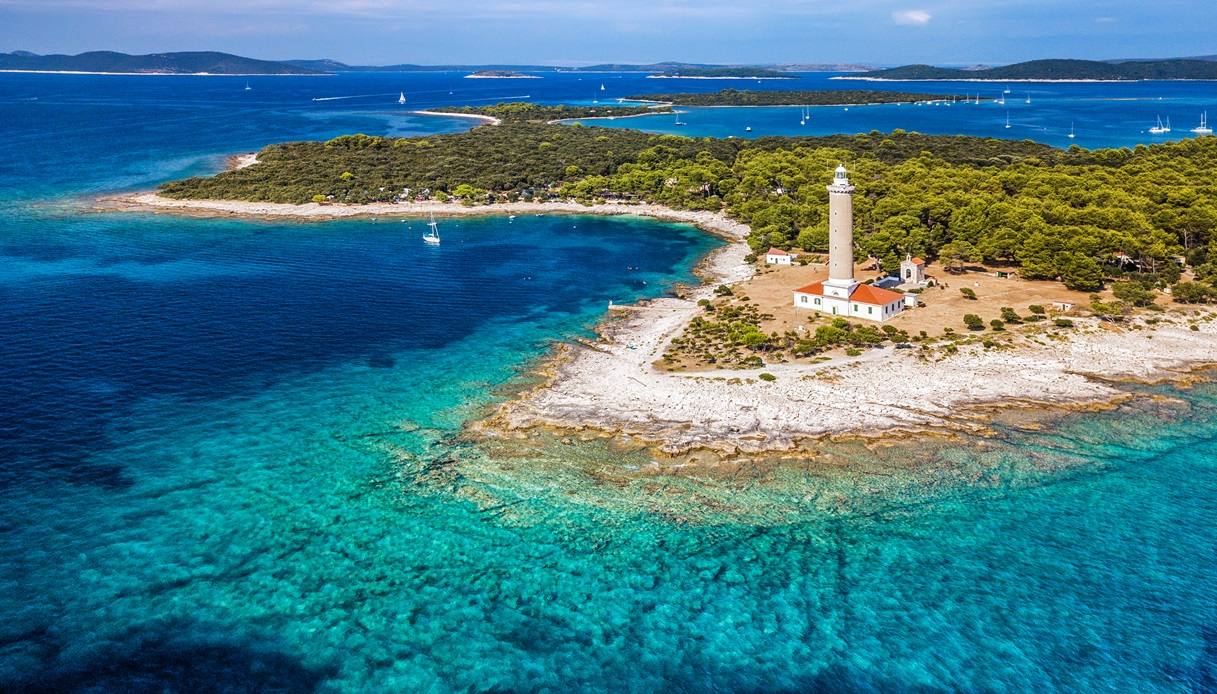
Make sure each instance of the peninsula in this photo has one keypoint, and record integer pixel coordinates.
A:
(996, 272)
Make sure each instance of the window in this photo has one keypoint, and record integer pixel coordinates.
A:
(817, 302)
(870, 309)
(803, 299)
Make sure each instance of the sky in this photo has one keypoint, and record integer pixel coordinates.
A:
(580, 32)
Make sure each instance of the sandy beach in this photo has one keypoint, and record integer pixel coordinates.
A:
(713, 222)
(613, 387)
(489, 120)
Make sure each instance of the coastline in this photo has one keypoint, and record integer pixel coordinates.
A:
(612, 388)
(715, 223)
(489, 120)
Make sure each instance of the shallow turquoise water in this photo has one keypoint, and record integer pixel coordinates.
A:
(232, 458)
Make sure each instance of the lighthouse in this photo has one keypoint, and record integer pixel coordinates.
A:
(842, 295)
(841, 280)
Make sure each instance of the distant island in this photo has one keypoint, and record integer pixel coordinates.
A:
(186, 63)
(1055, 70)
(726, 73)
(736, 97)
(500, 74)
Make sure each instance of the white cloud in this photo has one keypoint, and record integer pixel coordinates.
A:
(915, 18)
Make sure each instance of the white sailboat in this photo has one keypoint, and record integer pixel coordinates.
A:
(431, 238)
(1001, 100)
(678, 120)
(401, 98)
(602, 86)
(1159, 128)
(1028, 98)
(1071, 135)
(1203, 128)
(247, 87)
(1007, 119)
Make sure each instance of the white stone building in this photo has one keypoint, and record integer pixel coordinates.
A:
(777, 256)
(841, 294)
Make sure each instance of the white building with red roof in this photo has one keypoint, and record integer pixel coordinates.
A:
(841, 294)
(777, 256)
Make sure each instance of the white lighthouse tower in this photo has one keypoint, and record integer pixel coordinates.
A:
(841, 280)
(841, 294)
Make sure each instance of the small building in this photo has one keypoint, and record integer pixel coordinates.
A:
(777, 256)
(912, 270)
(1062, 306)
(864, 301)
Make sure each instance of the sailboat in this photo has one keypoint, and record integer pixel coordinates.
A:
(602, 86)
(678, 120)
(1007, 119)
(1001, 100)
(1203, 128)
(804, 114)
(1159, 128)
(431, 238)
(401, 98)
(1071, 135)
(1028, 98)
(247, 87)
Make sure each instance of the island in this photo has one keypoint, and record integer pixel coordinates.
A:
(500, 75)
(823, 97)
(182, 63)
(525, 112)
(718, 73)
(936, 278)
(1052, 70)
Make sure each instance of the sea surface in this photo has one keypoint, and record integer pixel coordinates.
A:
(231, 452)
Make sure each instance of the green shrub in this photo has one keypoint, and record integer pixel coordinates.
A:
(968, 293)
(1063, 323)
(973, 321)
(767, 377)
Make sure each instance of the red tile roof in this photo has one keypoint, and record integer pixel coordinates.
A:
(918, 261)
(866, 294)
(776, 251)
(863, 294)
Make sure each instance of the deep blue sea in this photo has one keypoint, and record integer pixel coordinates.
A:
(231, 452)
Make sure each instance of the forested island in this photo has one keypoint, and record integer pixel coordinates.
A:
(499, 74)
(525, 112)
(182, 63)
(1049, 212)
(1056, 70)
(727, 73)
(822, 97)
